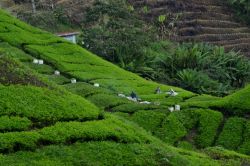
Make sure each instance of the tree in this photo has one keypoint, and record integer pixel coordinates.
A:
(33, 6)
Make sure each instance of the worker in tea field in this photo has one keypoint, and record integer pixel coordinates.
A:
(158, 90)
(133, 95)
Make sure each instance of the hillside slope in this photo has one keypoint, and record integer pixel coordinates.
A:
(43, 124)
(59, 119)
(209, 21)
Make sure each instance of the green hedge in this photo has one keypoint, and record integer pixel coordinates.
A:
(44, 105)
(60, 80)
(171, 130)
(245, 147)
(110, 129)
(224, 154)
(189, 118)
(12, 72)
(209, 122)
(235, 104)
(14, 123)
(149, 120)
(133, 107)
(179, 125)
(15, 141)
(70, 132)
(43, 69)
(108, 153)
(238, 102)
(185, 145)
(107, 100)
(231, 135)
(85, 89)
(15, 53)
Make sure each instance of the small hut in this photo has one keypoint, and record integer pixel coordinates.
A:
(70, 36)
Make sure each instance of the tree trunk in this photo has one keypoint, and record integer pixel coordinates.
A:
(33, 6)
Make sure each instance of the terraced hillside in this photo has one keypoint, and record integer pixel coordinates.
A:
(43, 123)
(210, 21)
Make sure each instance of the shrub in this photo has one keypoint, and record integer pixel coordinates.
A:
(11, 142)
(149, 120)
(107, 100)
(60, 80)
(203, 97)
(172, 130)
(107, 153)
(238, 102)
(220, 152)
(85, 89)
(43, 69)
(185, 145)
(132, 107)
(245, 147)
(231, 135)
(44, 105)
(14, 123)
(101, 130)
(70, 132)
(12, 72)
(209, 122)
(188, 118)
(14, 52)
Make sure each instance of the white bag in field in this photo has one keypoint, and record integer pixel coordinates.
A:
(73, 80)
(177, 107)
(57, 72)
(40, 62)
(35, 61)
(96, 85)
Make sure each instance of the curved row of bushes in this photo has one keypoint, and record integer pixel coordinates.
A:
(109, 129)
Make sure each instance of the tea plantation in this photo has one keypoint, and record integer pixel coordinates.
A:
(47, 120)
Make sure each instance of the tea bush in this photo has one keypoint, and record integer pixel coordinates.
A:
(231, 135)
(14, 123)
(172, 130)
(45, 105)
(149, 120)
(209, 122)
(245, 147)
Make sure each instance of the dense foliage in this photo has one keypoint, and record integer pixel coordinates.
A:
(242, 8)
(231, 136)
(38, 121)
(203, 68)
(115, 32)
